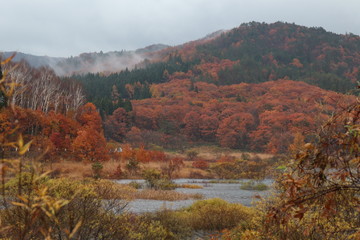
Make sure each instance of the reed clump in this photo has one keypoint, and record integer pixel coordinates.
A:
(166, 195)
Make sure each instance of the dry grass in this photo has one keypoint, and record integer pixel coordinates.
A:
(166, 195)
(79, 170)
(186, 171)
(112, 190)
(215, 152)
(70, 169)
(191, 186)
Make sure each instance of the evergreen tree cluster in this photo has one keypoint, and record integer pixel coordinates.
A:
(130, 84)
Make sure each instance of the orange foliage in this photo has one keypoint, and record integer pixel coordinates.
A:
(134, 136)
(58, 135)
(89, 116)
(127, 153)
(172, 165)
(296, 62)
(90, 145)
(116, 126)
(201, 164)
(232, 130)
(262, 117)
(212, 68)
(192, 128)
(141, 154)
(226, 158)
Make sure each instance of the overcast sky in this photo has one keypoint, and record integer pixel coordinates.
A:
(70, 27)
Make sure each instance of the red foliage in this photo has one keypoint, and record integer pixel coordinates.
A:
(201, 164)
(233, 130)
(208, 126)
(117, 125)
(90, 145)
(142, 155)
(212, 68)
(296, 62)
(225, 159)
(134, 136)
(192, 125)
(89, 116)
(262, 117)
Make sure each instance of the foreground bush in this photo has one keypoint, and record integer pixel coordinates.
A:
(217, 214)
(318, 192)
(89, 209)
(177, 224)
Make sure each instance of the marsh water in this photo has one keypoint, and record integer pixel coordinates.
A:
(230, 192)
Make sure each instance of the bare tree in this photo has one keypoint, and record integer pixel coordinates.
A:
(42, 89)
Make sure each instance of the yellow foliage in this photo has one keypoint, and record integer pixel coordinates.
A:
(217, 214)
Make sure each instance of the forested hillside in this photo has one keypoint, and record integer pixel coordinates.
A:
(259, 117)
(232, 89)
(251, 53)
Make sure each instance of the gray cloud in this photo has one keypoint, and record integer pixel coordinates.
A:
(70, 27)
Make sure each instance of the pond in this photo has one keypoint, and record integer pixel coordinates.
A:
(230, 192)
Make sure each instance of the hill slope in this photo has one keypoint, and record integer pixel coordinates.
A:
(264, 52)
(259, 117)
(251, 53)
(32, 60)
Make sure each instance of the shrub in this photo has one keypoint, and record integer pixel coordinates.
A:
(155, 180)
(240, 169)
(192, 154)
(97, 169)
(132, 166)
(174, 222)
(319, 190)
(201, 164)
(118, 173)
(252, 185)
(135, 185)
(138, 228)
(217, 214)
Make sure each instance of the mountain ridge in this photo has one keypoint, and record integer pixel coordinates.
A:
(89, 61)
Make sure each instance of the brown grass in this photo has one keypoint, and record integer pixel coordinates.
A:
(79, 170)
(191, 186)
(167, 195)
(112, 190)
(70, 169)
(215, 152)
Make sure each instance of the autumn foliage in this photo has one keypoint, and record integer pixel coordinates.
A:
(319, 191)
(259, 117)
(57, 135)
(241, 89)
